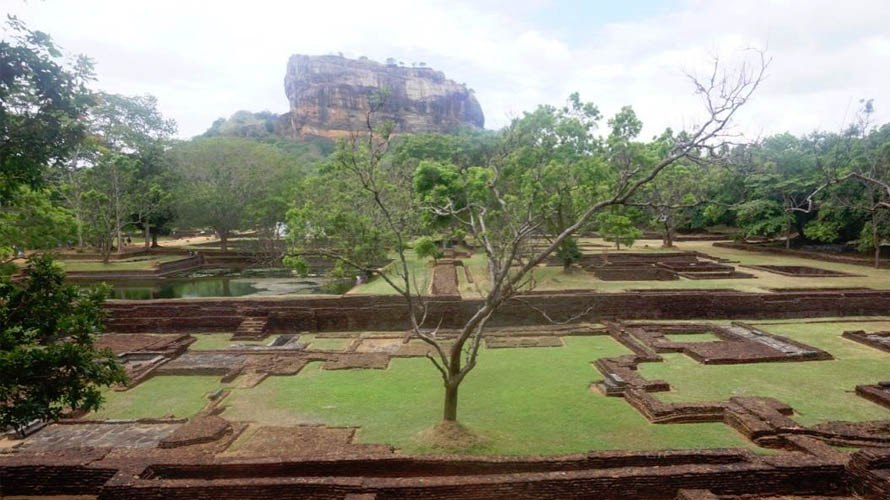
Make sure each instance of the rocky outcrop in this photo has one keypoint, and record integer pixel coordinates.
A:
(330, 97)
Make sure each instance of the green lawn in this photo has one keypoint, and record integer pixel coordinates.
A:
(524, 401)
(420, 271)
(181, 396)
(818, 390)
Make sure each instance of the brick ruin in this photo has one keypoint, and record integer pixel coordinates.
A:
(191, 470)
(663, 266)
(388, 312)
(800, 271)
(194, 458)
(444, 278)
(878, 340)
(764, 421)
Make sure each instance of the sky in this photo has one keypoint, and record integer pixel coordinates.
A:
(207, 59)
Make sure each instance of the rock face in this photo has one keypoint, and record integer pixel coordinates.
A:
(329, 97)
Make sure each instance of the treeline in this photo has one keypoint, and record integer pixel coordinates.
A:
(86, 168)
(820, 188)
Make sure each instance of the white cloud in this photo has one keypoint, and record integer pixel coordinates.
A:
(208, 59)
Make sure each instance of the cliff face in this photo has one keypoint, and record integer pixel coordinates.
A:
(329, 97)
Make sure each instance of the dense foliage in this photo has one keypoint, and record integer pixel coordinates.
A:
(48, 360)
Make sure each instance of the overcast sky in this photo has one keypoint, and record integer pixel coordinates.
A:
(206, 59)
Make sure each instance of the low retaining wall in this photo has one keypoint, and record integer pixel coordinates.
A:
(615, 475)
(126, 254)
(159, 270)
(388, 312)
(54, 474)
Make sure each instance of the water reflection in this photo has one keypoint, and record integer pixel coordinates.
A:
(228, 284)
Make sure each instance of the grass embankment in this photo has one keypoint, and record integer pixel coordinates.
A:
(420, 271)
(818, 390)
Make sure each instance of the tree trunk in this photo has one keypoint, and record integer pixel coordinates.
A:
(117, 225)
(115, 186)
(105, 249)
(450, 409)
(788, 237)
(667, 240)
(147, 235)
(874, 239)
(154, 239)
(224, 241)
(79, 222)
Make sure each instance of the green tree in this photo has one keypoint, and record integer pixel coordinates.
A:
(33, 222)
(219, 180)
(42, 99)
(618, 229)
(100, 226)
(48, 359)
(762, 217)
(558, 157)
(787, 173)
(426, 248)
(670, 198)
(134, 127)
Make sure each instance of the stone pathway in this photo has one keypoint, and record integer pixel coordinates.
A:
(123, 435)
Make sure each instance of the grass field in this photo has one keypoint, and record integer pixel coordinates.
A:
(417, 268)
(532, 401)
(523, 401)
(181, 396)
(818, 390)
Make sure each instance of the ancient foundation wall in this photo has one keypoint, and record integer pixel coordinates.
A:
(776, 476)
(53, 474)
(389, 312)
(825, 257)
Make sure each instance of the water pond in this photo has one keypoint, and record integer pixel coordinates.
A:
(227, 283)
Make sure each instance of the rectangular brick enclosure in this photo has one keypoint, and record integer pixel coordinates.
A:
(800, 271)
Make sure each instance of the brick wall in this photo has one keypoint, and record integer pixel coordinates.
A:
(388, 312)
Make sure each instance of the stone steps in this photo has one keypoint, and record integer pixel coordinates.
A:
(252, 328)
